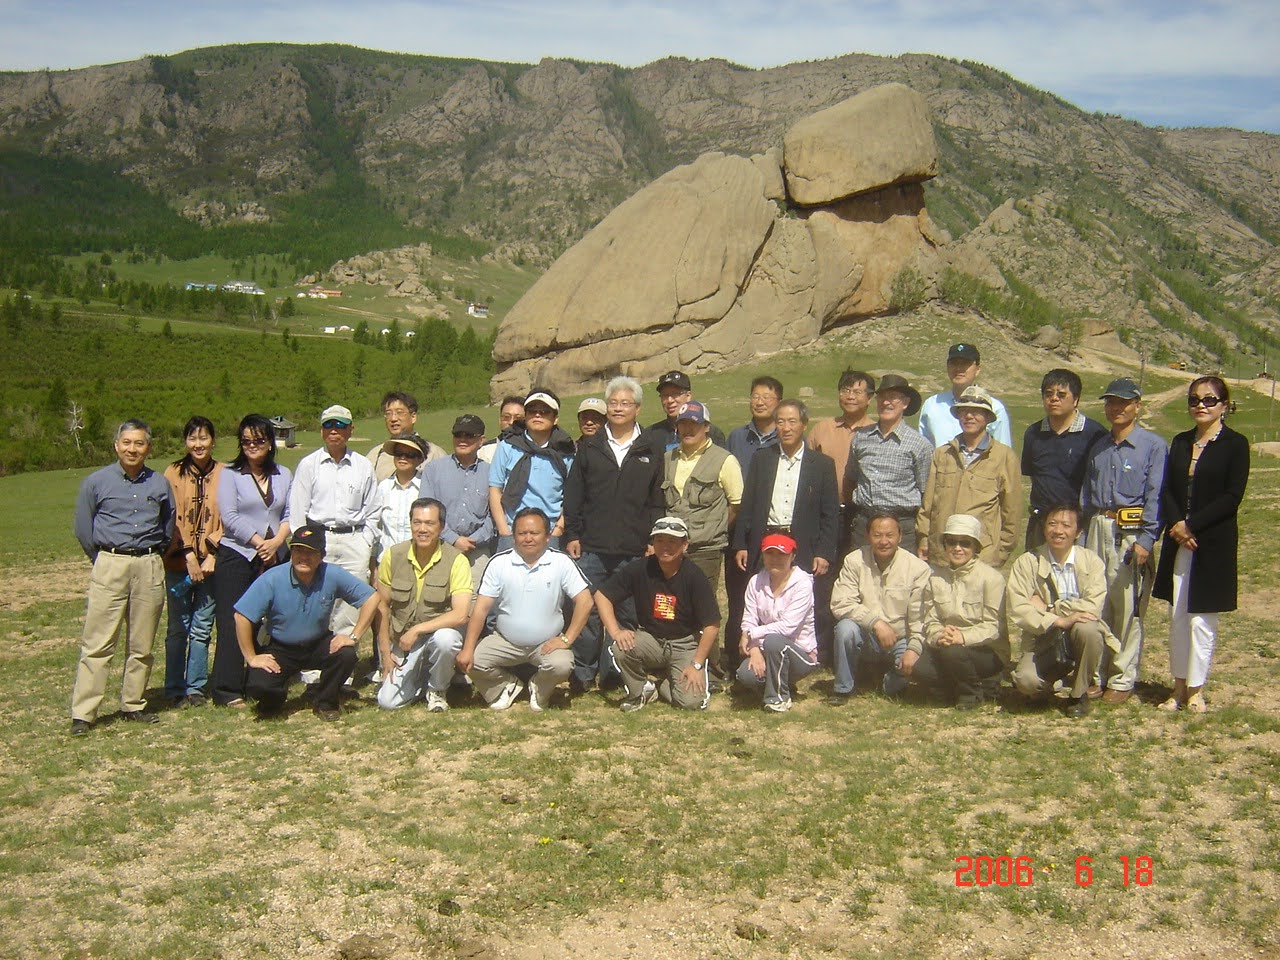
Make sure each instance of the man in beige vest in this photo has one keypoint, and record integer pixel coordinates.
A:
(425, 589)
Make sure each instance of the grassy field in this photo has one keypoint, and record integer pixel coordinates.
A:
(584, 832)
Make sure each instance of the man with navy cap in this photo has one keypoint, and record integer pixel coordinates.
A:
(296, 602)
(1121, 499)
(461, 483)
(937, 425)
(675, 389)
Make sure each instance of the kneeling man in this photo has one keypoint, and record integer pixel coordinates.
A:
(528, 586)
(679, 622)
(296, 601)
(425, 586)
(1054, 599)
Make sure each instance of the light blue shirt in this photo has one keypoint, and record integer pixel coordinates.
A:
(939, 426)
(529, 600)
(1127, 474)
(546, 487)
(298, 614)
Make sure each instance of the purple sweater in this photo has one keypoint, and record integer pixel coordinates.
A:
(243, 511)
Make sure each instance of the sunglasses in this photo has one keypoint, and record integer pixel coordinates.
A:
(1206, 402)
(466, 436)
(334, 425)
(407, 455)
(950, 542)
(253, 441)
(674, 528)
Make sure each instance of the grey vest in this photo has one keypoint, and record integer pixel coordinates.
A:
(408, 609)
(703, 506)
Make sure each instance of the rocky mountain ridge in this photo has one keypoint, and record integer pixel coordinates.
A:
(1168, 235)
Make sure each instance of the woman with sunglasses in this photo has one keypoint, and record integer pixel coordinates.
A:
(1204, 481)
(253, 499)
(189, 565)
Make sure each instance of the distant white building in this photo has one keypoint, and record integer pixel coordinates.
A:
(480, 310)
(240, 286)
(330, 330)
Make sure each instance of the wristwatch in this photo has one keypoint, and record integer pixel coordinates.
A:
(697, 665)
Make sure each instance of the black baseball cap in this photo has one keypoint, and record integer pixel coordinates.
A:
(468, 423)
(964, 351)
(309, 535)
(675, 378)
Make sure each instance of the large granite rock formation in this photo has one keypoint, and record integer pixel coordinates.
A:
(712, 264)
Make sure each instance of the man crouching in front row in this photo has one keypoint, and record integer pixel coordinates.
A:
(296, 602)
(679, 622)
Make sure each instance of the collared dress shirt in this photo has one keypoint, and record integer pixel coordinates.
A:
(391, 522)
(888, 471)
(782, 505)
(1127, 474)
(464, 491)
(938, 424)
(336, 493)
(114, 512)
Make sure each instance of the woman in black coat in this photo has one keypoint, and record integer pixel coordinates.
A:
(1204, 481)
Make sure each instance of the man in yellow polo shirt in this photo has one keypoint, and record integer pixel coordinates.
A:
(425, 588)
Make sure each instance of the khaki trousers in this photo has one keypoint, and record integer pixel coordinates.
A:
(1119, 671)
(1088, 640)
(125, 594)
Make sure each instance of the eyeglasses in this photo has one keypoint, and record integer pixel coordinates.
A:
(950, 542)
(891, 398)
(466, 436)
(334, 425)
(253, 441)
(854, 392)
(621, 404)
(407, 455)
(536, 412)
(1056, 394)
(1208, 402)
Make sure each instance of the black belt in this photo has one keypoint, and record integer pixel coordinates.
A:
(131, 551)
(351, 529)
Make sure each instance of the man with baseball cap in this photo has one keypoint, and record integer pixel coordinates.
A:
(678, 622)
(975, 474)
(1121, 499)
(592, 414)
(889, 462)
(936, 423)
(296, 602)
(335, 488)
(674, 390)
(461, 483)
(530, 467)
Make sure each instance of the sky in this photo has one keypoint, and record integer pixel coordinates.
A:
(1163, 62)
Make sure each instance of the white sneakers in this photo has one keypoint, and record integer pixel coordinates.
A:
(436, 703)
(508, 696)
(534, 703)
(781, 706)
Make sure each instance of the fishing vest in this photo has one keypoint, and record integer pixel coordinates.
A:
(408, 608)
(703, 506)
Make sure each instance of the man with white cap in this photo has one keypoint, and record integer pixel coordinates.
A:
(335, 488)
(963, 367)
(530, 467)
(972, 473)
(678, 622)
(888, 463)
(592, 415)
(1121, 499)
(963, 648)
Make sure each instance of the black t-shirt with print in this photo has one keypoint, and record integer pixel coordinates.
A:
(666, 608)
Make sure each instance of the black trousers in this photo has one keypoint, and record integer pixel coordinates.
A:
(235, 574)
(735, 588)
(269, 689)
(965, 673)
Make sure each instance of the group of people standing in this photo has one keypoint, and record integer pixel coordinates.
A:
(534, 558)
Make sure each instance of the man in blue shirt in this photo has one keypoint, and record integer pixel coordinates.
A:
(937, 424)
(1121, 500)
(124, 521)
(296, 602)
(530, 467)
(461, 483)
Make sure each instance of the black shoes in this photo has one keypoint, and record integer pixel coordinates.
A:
(138, 716)
(838, 699)
(327, 715)
(1077, 707)
(80, 727)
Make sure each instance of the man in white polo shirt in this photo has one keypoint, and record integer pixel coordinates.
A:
(527, 585)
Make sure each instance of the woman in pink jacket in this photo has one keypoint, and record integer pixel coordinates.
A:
(779, 643)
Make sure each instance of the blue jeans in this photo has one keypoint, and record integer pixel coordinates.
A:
(186, 645)
(851, 646)
(589, 656)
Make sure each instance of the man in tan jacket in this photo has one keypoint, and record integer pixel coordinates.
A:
(1059, 587)
(878, 600)
(975, 474)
